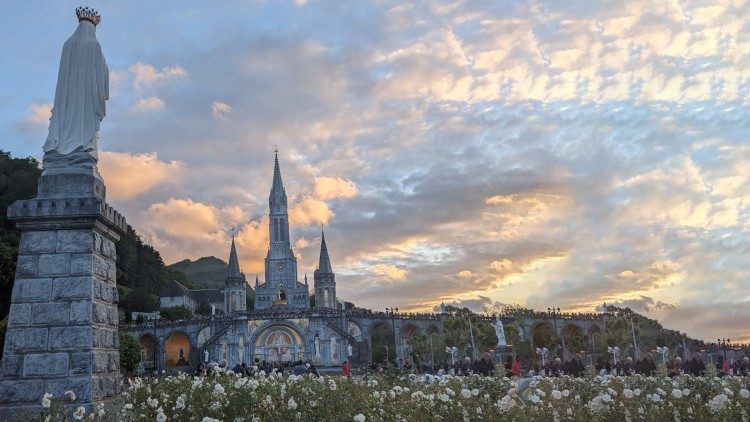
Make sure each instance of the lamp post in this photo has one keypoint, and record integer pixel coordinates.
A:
(555, 312)
(543, 353)
(664, 351)
(432, 353)
(615, 351)
(724, 343)
(452, 350)
(471, 334)
(392, 312)
(635, 344)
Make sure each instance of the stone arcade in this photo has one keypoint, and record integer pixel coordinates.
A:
(283, 327)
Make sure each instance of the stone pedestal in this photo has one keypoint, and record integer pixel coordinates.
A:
(62, 328)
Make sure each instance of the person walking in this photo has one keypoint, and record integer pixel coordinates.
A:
(515, 367)
(345, 369)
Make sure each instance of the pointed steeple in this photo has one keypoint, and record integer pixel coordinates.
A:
(256, 281)
(278, 186)
(324, 265)
(234, 263)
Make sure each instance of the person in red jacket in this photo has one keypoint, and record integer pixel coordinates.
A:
(515, 367)
(345, 369)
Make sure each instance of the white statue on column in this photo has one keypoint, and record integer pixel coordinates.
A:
(349, 350)
(79, 107)
(334, 351)
(205, 356)
(500, 332)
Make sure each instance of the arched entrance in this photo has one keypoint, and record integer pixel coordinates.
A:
(177, 350)
(279, 343)
(147, 350)
(382, 343)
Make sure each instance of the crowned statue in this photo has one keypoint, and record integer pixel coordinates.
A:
(79, 107)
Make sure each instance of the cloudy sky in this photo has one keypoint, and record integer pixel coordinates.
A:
(541, 153)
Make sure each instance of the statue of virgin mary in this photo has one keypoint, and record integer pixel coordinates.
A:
(79, 107)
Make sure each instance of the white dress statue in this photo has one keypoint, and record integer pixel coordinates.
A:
(79, 107)
(500, 332)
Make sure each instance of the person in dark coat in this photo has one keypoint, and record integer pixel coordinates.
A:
(484, 366)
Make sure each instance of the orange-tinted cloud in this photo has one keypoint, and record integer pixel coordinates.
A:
(327, 188)
(128, 175)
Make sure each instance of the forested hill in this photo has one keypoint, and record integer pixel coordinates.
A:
(208, 272)
(141, 273)
(18, 177)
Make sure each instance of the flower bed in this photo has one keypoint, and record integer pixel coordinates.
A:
(230, 397)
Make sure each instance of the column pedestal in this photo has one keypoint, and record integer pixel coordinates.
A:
(62, 327)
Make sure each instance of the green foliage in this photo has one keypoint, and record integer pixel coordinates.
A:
(18, 180)
(383, 343)
(130, 352)
(204, 309)
(617, 333)
(420, 347)
(544, 336)
(577, 341)
(141, 271)
(175, 313)
(208, 272)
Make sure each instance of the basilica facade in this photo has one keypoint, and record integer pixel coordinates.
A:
(284, 326)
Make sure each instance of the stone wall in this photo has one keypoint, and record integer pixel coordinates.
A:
(62, 328)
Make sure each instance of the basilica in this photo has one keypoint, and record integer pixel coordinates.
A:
(284, 326)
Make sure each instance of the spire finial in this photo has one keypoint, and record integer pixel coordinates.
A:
(324, 263)
(234, 263)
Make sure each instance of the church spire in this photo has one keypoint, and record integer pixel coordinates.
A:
(234, 263)
(277, 189)
(324, 264)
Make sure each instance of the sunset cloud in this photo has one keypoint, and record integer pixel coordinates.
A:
(540, 153)
(334, 187)
(220, 110)
(39, 113)
(147, 104)
(390, 271)
(128, 175)
(145, 75)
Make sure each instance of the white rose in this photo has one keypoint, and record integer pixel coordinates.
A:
(46, 400)
(359, 418)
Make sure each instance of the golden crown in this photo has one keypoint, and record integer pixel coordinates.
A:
(88, 14)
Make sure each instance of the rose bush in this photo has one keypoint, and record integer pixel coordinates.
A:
(231, 397)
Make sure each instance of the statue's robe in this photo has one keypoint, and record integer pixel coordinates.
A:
(82, 89)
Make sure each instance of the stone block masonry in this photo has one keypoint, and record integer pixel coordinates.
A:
(62, 328)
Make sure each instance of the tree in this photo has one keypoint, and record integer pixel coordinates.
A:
(130, 352)
(204, 309)
(544, 336)
(420, 348)
(175, 313)
(18, 180)
(382, 337)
